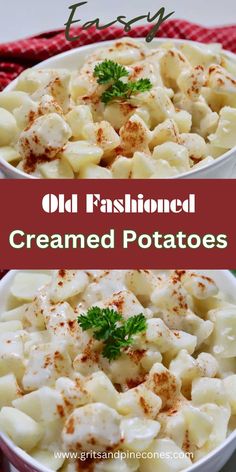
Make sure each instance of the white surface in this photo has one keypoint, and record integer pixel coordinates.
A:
(20, 18)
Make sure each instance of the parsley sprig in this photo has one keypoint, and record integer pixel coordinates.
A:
(111, 73)
(108, 71)
(110, 327)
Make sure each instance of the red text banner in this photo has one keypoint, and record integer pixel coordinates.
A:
(117, 224)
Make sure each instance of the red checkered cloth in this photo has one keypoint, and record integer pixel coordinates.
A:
(17, 56)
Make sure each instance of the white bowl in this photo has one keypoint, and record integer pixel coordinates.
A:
(213, 462)
(222, 167)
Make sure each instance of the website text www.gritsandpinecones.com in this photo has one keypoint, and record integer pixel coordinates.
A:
(96, 455)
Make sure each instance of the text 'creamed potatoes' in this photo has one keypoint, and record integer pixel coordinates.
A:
(172, 391)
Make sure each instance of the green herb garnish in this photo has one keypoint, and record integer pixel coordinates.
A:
(110, 327)
(110, 72)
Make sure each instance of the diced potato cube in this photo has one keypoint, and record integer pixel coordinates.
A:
(173, 426)
(124, 369)
(121, 168)
(138, 433)
(195, 145)
(167, 299)
(47, 362)
(214, 151)
(67, 283)
(225, 135)
(207, 364)
(199, 286)
(9, 154)
(22, 429)
(208, 390)
(56, 169)
(52, 435)
(125, 302)
(40, 82)
(114, 465)
(58, 87)
(139, 401)
(31, 79)
(85, 366)
(10, 326)
(183, 120)
(45, 404)
(11, 100)
(199, 425)
(160, 335)
(164, 169)
(9, 390)
(186, 368)
(230, 388)
(48, 459)
(175, 154)
(26, 284)
(77, 119)
(164, 384)
(183, 341)
(34, 339)
(149, 358)
(221, 81)
(8, 127)
(11, 354)
(70, 467)
(45, 137)
(166, 131)
(26, 113)
(158, 103)
(62, 327)
(166, 448)
(124, 51)
(73, 391)
(197, 327)
(135, 135)
(224, 334)
(101, 389)
(103, 135)
(141, 283)
(118, 113)
(199, 54)
(220, 419)
(81, 153)
(143, 167)
(93, 171)
(12, 363)
(204, 162)
(190, 82)
(173, 63)
(37, 308)
(95, 424)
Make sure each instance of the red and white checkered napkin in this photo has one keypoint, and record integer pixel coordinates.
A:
(16, 56)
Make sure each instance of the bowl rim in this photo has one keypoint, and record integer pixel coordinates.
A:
(217, 161)
(31, 462)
